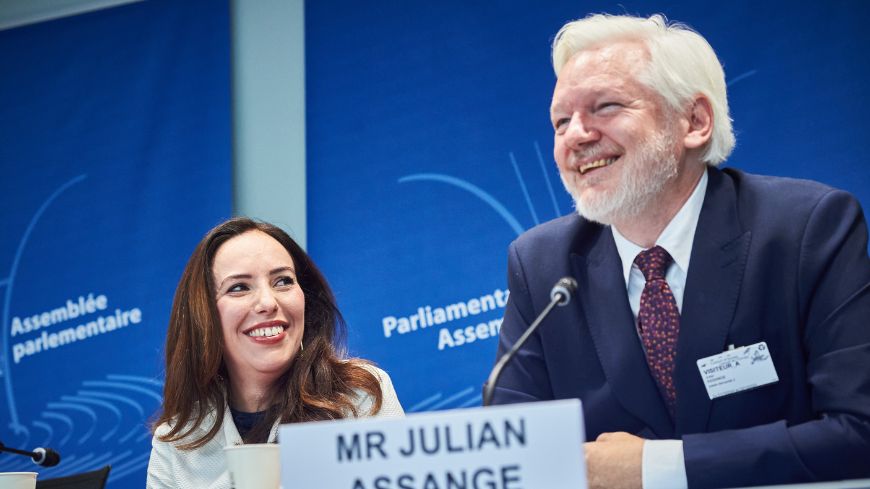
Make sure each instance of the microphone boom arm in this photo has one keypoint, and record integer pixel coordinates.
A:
(559, 296)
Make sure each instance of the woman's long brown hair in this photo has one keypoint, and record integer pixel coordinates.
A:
(320, 384)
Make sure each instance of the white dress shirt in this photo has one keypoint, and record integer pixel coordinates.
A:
(663, 464)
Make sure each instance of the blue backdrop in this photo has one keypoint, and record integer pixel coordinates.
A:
(430, 149)
(115, 153)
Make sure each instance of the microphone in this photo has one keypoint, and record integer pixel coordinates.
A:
(563, 290)
(560, 295)
(45, 457)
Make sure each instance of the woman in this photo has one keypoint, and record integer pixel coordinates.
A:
(252, 344)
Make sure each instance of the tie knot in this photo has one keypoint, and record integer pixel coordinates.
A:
(653, 262)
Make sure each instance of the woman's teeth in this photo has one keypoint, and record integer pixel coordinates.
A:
(272, 331)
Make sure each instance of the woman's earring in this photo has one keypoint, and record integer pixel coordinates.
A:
(301, 346)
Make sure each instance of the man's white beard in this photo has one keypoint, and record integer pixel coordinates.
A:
(641, 182)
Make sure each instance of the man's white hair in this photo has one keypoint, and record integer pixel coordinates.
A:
(682, 65)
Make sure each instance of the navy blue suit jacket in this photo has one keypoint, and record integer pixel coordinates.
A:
(774, 259)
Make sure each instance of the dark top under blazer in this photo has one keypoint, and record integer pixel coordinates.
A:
(774, 259)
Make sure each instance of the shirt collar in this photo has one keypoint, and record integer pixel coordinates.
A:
(677, 237)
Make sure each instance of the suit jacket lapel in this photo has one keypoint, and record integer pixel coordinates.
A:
(604, 303)
(716, 268)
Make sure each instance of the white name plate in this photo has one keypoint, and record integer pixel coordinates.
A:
(520, 446)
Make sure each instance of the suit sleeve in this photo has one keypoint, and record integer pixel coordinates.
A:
(833, 294)
(525, 378)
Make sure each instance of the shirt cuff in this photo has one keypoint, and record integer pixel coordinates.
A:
(663, 465)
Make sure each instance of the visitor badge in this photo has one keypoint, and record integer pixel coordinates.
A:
(737, 369)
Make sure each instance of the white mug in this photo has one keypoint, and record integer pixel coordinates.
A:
(18, 480)
(254, 466)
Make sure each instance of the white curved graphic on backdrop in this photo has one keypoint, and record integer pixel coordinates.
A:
(556, 211)
(102, 409)
(467, 397)
(741, 77)
(474, 190)
(491, 201)
(5, 372)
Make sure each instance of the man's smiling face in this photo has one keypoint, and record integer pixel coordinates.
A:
(616, 142)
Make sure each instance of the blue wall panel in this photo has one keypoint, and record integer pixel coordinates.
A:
(115, 154)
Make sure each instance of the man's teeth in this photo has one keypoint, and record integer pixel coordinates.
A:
(274, 330)
(596, 164)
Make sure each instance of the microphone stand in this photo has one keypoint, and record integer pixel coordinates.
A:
(559, 296)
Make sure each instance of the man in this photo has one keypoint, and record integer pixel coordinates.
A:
(678, 261)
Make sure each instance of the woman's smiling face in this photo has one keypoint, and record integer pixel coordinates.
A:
(261, 307)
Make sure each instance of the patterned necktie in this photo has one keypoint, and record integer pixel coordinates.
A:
(658, 321)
